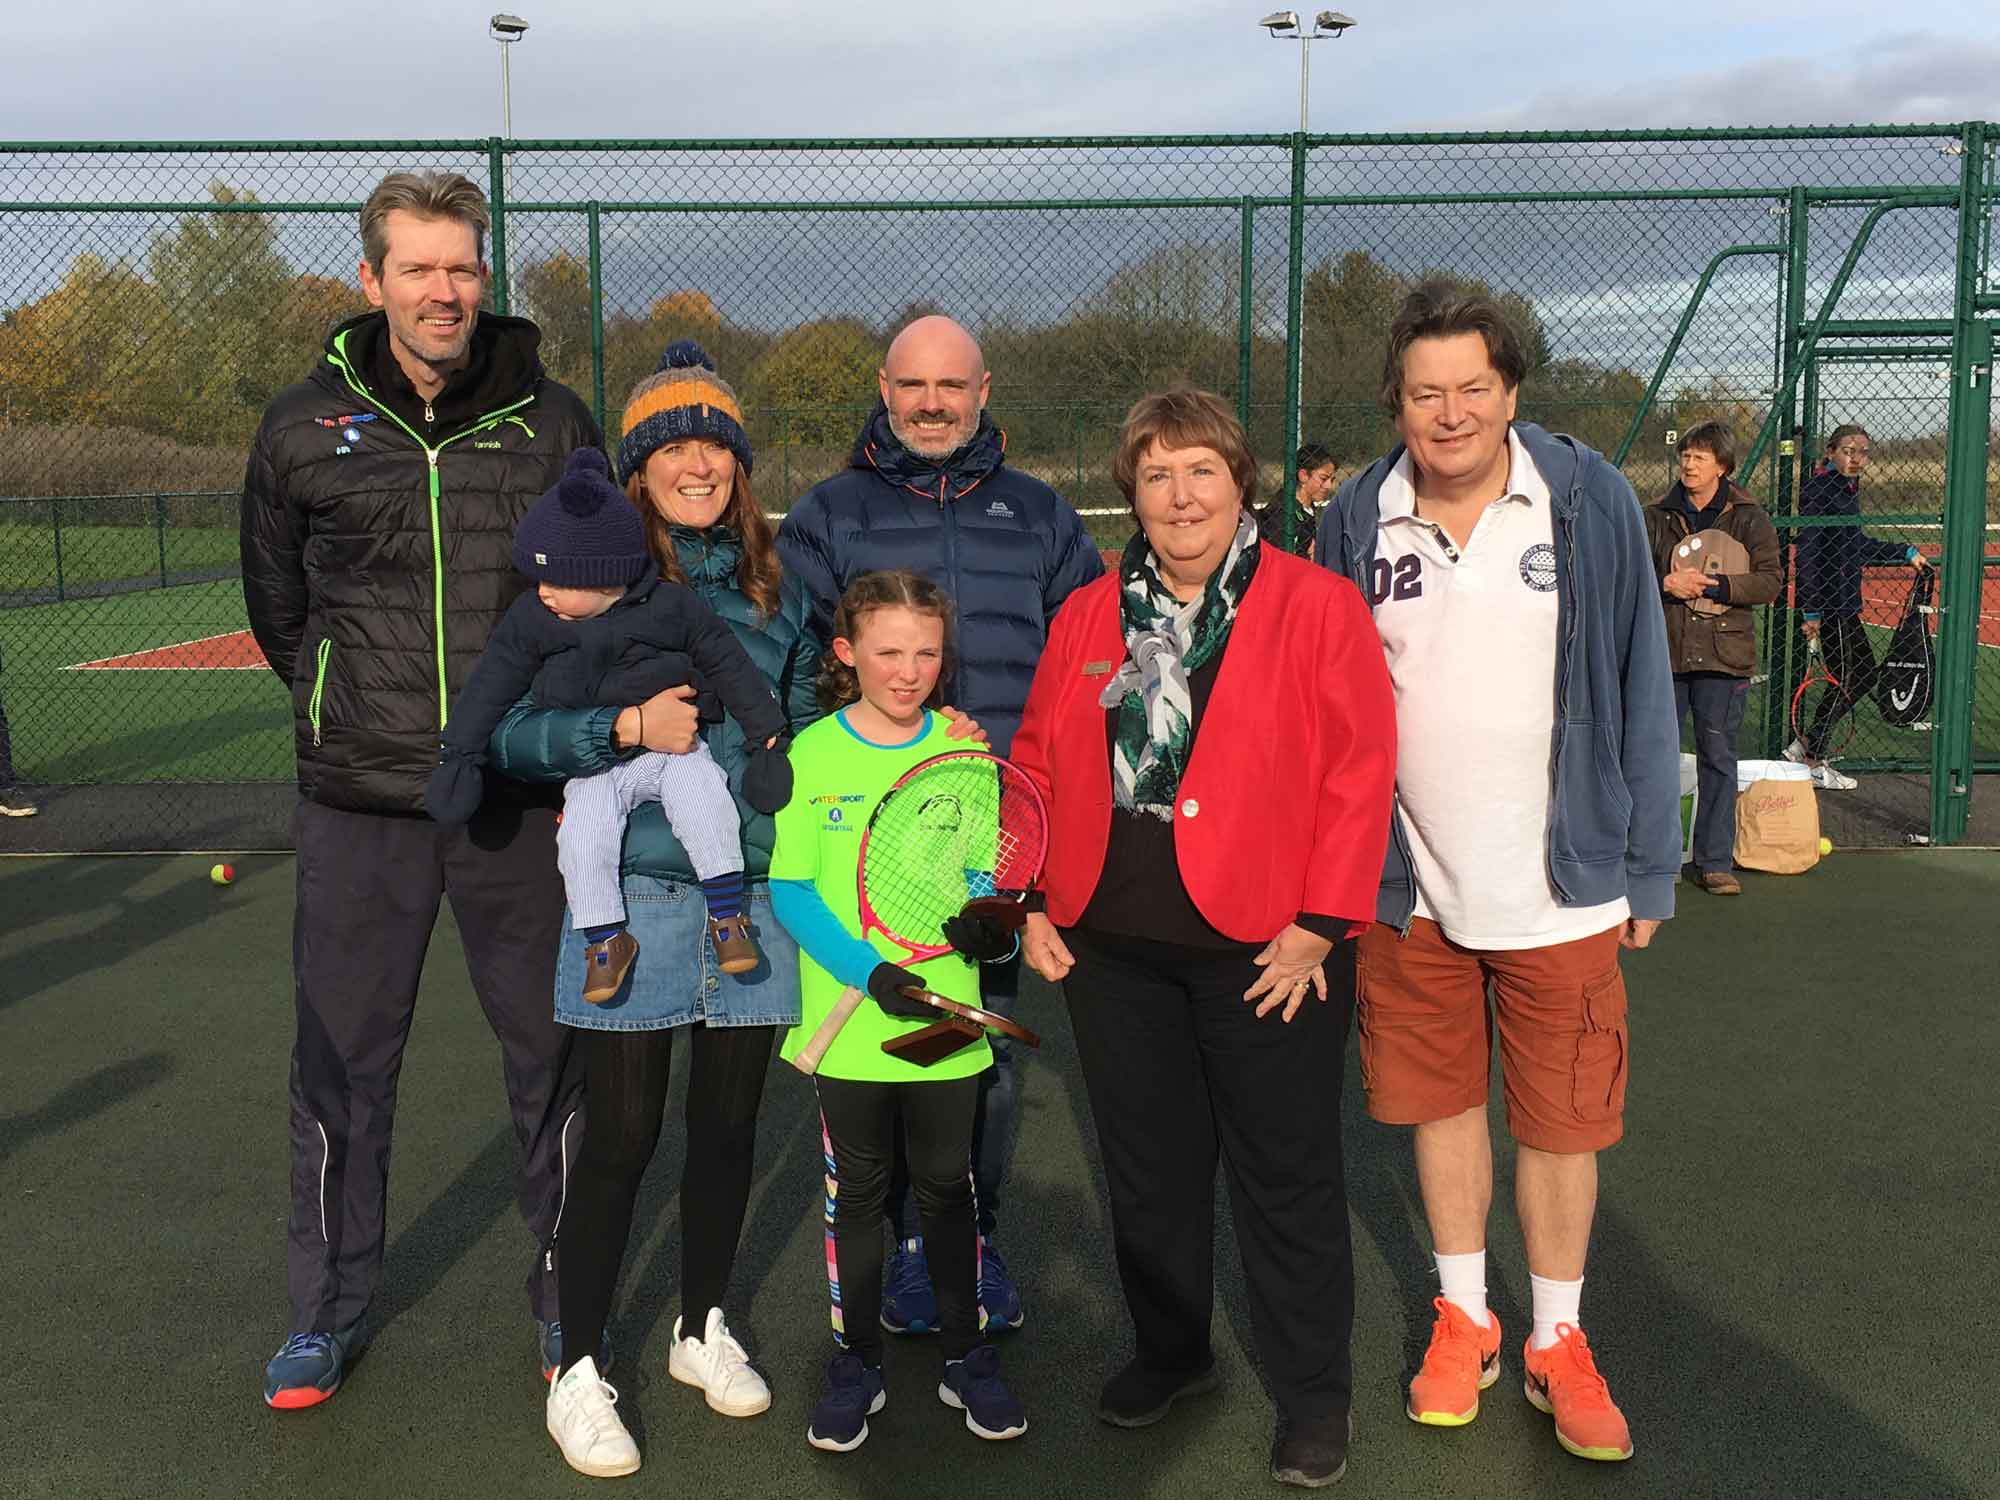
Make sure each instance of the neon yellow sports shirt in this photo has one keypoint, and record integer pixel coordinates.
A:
(837, 780)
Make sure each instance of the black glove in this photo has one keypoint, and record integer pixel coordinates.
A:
(767, 779)
(454, 792)
(887, 983)
(979, 938)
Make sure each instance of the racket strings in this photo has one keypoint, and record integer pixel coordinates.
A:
(962, 827)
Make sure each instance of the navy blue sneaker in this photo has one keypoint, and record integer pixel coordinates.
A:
(999, 1301)
(972, 1385)
(853, 1394)
(550, 1335)
(308, 1368)
(908, 1303)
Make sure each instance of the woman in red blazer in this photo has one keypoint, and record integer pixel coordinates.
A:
(1215, 734)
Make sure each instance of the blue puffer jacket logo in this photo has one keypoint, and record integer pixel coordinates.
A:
(1006, 548)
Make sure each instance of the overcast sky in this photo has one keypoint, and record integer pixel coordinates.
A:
(233, 69)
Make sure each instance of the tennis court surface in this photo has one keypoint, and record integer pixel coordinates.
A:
(1788, 1290)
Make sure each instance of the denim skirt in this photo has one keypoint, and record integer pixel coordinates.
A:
(675, 981)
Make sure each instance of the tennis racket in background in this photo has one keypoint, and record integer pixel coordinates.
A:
(962, 832)
(1813, 692)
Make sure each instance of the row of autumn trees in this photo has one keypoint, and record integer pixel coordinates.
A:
(172, 356)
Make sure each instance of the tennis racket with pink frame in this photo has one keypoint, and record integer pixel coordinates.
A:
(963, 833)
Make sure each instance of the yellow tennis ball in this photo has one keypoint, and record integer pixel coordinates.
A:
(1826, 846)
(226, 874)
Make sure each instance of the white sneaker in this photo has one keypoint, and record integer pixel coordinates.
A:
(717, 1363)
(1796, 753)
(585, 1426)
(1828, 779)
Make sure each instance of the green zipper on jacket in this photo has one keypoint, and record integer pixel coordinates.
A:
(321, 657)
(338, 359)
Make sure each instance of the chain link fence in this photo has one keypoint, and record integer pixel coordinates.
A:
(154, 298)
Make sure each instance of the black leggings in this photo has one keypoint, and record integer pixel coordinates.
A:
(860, 1121)
(1850, 658)
(627, 1082)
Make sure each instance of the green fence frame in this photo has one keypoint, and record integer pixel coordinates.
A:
(1803, 341)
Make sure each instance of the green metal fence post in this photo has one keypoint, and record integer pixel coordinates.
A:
(1295, 318)
(496, 197)
(596, 314)
(1969, 420)
(160, 532)
(1785, 659)
(1076, 439)
(1245, 310)
(55, 518)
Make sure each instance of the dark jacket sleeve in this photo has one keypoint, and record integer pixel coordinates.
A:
(272, 538)
(554, 744)
(1075, 561)
(1761, 585)
(499, 679)
(726, 668)
(798, 681)
(1662, 536)
(806, 553)
(1878, 552)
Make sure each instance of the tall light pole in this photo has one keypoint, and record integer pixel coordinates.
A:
(1286, 26)
(506, 30)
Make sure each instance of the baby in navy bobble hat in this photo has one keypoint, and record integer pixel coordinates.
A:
(601, 628)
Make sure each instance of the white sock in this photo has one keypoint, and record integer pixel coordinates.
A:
(1555, 1302)
(1462, 1279)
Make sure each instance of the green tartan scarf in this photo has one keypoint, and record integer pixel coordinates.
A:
(1165, 641)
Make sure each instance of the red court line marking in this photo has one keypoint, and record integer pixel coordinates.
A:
(234, 652)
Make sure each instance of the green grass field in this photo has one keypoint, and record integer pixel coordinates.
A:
(107, 554)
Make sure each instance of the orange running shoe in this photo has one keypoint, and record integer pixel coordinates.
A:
(1462, 1361)
(1563, 1381)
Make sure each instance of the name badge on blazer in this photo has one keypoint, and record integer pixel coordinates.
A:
(1097, 669)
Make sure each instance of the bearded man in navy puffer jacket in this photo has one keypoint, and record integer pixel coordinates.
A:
(928, 489)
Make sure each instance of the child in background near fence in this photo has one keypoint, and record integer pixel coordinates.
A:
(1831, 563)
(891, 637)
(601, 628)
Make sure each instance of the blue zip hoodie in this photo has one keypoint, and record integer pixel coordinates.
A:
(1614, 763)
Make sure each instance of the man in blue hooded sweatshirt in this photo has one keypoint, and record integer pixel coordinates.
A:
(928, 489)
(1536, 833)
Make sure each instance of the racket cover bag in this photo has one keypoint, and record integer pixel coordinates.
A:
(1904, 685)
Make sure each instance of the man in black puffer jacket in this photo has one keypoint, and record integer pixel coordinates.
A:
(927, 489)
(379, 511)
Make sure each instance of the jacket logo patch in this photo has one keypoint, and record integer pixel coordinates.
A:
(1097, 669)
(347, 421)
(541, 559)
(1538, 567)
(1000, 508)
(487, 443)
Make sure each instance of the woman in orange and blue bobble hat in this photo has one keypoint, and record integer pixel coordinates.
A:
(685, 462)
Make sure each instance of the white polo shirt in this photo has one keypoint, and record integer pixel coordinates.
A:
(1470, 636)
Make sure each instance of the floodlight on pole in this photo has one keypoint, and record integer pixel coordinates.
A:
(1286, 26)
(506, 30)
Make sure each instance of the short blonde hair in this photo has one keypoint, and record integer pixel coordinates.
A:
(428, 195)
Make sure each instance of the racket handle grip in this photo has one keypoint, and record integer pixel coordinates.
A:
(807, 1059)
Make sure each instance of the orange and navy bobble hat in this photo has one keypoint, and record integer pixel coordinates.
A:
(683, 399)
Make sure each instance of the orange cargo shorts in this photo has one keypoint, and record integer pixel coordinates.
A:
(1427, 1031)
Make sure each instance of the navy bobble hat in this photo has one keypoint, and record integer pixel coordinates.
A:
(683, 398)
(583, 533)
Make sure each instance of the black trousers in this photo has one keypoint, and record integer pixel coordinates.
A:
(860, 1126)
(368, 892)
(6, 747)
(993, 1120)
(1180, 1072)
(627, 1072)
(1716, 700)
(1843, 641)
